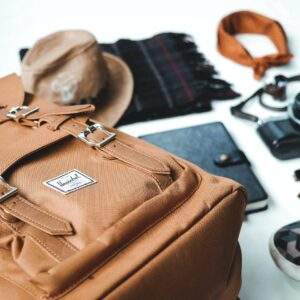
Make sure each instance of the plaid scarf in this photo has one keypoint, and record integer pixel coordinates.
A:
(170, 77)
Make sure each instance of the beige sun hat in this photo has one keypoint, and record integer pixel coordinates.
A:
(69, 67)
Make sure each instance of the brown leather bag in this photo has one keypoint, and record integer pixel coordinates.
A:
(106, 215)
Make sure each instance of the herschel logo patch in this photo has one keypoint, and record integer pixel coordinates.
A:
(69, 182)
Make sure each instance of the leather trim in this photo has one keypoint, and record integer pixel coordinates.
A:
(15, 284)
(57, 247)
(34, 215)
(179, 234)
(82, 264)
(118, 149)
(32, 142)
(11, 90)
(53, 117)
(233, 280)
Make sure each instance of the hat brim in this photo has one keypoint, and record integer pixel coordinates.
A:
(116, 97)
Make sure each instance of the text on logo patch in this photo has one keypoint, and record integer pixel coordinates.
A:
(69, 182)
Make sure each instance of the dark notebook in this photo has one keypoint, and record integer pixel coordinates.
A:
(211, 147)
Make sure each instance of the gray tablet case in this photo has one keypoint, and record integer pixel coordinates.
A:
(211, 147)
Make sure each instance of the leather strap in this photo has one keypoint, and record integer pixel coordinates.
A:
(42, 137)
(62, 124)
(117, 148)
(11, 91)
(60, 121)
(32, 214)
(15, 206)
(33, 141)
(20, 207)
(53, 116)
(250, 22)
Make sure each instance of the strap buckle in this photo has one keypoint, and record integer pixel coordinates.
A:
(17, 112)
(83, 135)
(10, 190)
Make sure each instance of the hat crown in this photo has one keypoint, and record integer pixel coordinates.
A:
(52, 49)
(65, 67)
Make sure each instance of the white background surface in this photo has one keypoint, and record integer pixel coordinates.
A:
(22, 22)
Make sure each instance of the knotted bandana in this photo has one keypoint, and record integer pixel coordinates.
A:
(250, 22)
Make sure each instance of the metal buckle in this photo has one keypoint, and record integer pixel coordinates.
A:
(21, 111)
(83, 135)
(10, 192)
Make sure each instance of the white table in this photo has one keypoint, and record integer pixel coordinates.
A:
(22, 22)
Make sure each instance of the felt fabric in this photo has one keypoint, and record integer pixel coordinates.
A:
(171, 77)
(251, 22)
(68, 66)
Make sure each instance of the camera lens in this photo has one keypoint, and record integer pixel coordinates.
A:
(296, 106)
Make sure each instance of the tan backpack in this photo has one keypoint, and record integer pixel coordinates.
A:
(88, 212)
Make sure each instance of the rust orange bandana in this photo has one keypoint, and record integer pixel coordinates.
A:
(250, 22)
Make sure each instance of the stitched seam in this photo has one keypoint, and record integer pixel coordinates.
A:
(21, 286)
(43, 211)
(67, 244)
(118, 154)
(49, 249)
(52, 228)
(160, 185)
(53, 123)
(22, 155)
(106, 149)
(128, 243)
(73, 133)
(75, 125)
(60, 113)
(97, 268)
(35, 222)
(157, 182)
(130, 161)
(150, 157)
(232, 264)
(45, 246)
(190, 228)
(14, 228)
(143, 173)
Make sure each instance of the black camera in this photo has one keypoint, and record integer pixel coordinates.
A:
(281, 135)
